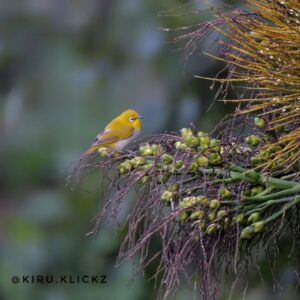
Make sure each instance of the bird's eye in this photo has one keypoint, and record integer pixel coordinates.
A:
(131, 119)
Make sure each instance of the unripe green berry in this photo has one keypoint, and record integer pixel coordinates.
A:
(212, 215)
(214, 203)
(254, 217)
(146, 150)
(204, 142)
(185, 132)
(167, 159)
(215, 158)
(125, 166)
(221, 213)
(193, 168)
(183, 216)
(252, 140)
(174, 187)
(257, 190)
(264, 155)
(166, 196)
(122, 170)
(191, 141)
(202, 161)
(181, 146)
(215, 145)
(197, 215)
(225, 193)
(144, 179)
(203, 200)
(255, 160)
(154, 148)
(179, 164)
(260, 122)
(247, 233)
(212, 228)
(258, 226)
(103, 152)
(240, 218)
(202, 134)
(137, 161)
(252, 175)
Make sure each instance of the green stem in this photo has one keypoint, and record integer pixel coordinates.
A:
(288, 192)
(283, 210)
(263, 206)
(225, 180)
(240, 174)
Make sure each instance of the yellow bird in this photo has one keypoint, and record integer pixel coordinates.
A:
(118, 133)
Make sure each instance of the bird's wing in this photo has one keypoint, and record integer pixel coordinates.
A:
(109, 136)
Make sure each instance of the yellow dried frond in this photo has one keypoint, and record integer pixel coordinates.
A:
(262, 49)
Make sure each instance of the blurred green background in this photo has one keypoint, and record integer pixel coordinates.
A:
(66, 69)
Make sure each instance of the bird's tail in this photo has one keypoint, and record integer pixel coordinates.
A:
(89, 151)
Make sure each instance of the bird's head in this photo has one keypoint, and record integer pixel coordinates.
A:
(131, 118)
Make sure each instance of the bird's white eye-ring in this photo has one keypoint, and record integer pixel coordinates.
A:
(131, 119)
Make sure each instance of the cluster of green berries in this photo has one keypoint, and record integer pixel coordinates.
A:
(270, 152)
(191, 154)
(207, 150)
(133, 163)
(210, 215)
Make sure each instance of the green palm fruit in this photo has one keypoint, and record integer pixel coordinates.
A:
(221, 213)
(247, 233)
(166, 197)
(214, 203)
(212, 228)
(179, 164)
(215, 158)
(202, 161)
(146, 150)
(204, 142)
(252, 140)
(239, 218)
(254, 217)
(225, 193)
(144, 179)
(103, 151)
(212, 215)
(167, 159)
(257, 190)
(191, 141)
(183, 216)
(258, 226)
(193, 168)
(215, 145)
(181, 146)
(203, 200)
(197, 215)
(252, 175)
(185, 132)
(202, 134)
(260, 122)
(174, 187)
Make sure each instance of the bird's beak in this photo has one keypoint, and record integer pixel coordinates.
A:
(140, 117)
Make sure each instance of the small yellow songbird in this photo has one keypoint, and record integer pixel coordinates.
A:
(118, 133)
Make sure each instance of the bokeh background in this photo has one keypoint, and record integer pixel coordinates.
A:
(66, 69)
